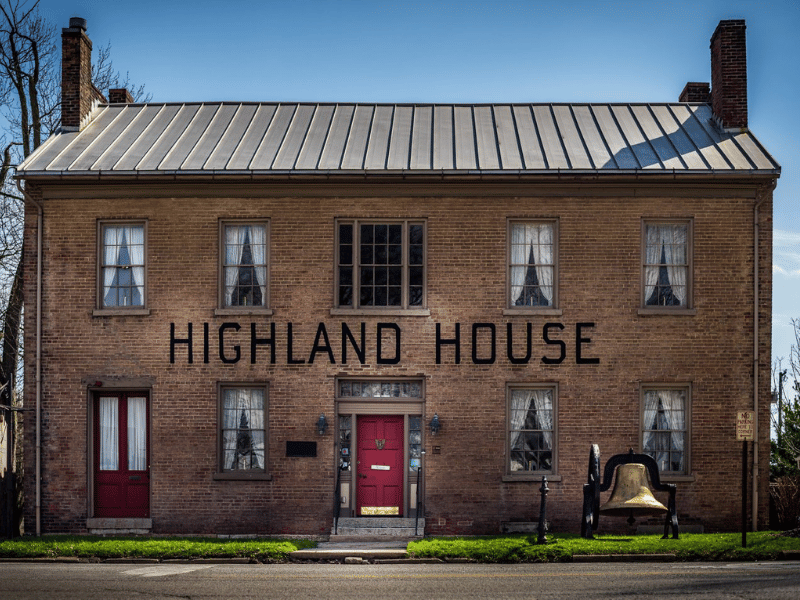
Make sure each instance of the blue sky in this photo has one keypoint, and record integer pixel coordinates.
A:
(465, 51)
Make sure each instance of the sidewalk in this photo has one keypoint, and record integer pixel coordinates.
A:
(389, 549)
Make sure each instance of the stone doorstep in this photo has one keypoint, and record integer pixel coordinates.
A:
(369, 527)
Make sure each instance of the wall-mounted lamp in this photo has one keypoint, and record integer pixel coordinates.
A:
(435, 424)
(322, 424)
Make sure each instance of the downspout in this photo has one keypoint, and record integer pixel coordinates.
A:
(39, 219)
(761, 194)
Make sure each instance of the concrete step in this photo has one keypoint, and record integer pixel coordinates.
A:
(377, 527)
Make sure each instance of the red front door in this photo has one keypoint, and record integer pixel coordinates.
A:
(121, 455)
(380, 464)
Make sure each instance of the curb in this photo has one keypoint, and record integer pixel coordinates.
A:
(590, 558)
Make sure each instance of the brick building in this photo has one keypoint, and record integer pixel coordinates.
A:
(248, 318)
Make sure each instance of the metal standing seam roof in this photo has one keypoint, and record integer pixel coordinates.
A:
(248, 139)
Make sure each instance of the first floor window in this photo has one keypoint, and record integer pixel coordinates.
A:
(531, 429)
(243, 429)
(380, 264)
(122, 266)
(664, 427)
(244, 265)
(666, 265)
(532, 264)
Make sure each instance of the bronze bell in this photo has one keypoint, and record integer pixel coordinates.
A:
(631, 496)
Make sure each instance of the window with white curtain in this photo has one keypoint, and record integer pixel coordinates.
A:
(380, 264)
(665, 433)
(122, 265)
(531, 427)
(532, 264)
(134, 413)
(243, 429)
(245, 261)
(666, 264)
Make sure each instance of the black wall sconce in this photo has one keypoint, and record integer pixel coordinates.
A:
(322, 424)
(435, 424)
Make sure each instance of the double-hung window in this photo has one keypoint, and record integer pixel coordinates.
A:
(665, 427)
(243, 432)
(244, 255)
(122, 274)
(532, 265)
(531, 430)
(380, 264)
(666, 272)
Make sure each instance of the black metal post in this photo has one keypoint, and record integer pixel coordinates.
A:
(337, 507)
(419, 486)
(744, 494)
(542, 539)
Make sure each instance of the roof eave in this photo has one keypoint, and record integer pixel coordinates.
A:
(400, 175)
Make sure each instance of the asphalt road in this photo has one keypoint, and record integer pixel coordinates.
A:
(769, 580)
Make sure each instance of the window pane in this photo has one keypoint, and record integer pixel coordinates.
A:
(367, 234)
(137, 434)
(415, 234)
(109, 434)
(367, 255)
(395, 234)
(345, 234)
(345, 254)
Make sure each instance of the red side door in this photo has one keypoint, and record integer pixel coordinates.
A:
(121, 455)
(380, 465)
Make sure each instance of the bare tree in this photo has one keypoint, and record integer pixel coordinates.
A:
(30, 111)
(785, 454)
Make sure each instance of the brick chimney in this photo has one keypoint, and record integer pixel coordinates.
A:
(119, 96)
(78, 95)
(729, 74)
(695, 92)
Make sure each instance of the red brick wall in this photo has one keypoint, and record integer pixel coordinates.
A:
(599, 282)
(729, 73)
(77, 91)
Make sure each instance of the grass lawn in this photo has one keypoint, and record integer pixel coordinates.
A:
(763, 545)
(261, 550)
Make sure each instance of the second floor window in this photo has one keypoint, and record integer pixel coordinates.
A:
(122, 266)
(532, 265)
(244, 265)
(666, 265)
(380, 264)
